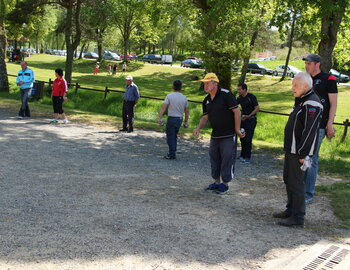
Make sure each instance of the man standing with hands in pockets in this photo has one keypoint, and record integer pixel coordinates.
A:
(25, 80)
(221, 109)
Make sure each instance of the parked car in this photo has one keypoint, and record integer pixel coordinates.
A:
(343, 78)
(258, 68)
(192, 63)
(152, 58)
(291, 71)
(111, 56)
(130, 57)
(167, 59)
(91, 55)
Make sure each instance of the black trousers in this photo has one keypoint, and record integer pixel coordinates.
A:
(293, 177)
(128, 114)
(246, 142)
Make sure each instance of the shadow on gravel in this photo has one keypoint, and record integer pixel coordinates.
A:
(74, 193)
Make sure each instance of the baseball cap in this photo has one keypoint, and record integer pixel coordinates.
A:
(313, 58)
(129, 78)
(210, 77)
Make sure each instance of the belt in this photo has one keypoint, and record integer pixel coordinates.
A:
(129, 100)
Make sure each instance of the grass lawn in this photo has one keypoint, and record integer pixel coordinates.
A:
(156, 81)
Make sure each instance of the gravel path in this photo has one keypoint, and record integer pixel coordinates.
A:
(87, 197)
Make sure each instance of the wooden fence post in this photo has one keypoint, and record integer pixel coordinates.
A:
(76, 87)
(106, 91)
(346, 124)
(50, 82)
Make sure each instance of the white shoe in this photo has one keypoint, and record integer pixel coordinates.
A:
(19, 117)
(65, 121)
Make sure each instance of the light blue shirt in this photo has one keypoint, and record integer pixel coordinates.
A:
(27, 76)
(131, 92)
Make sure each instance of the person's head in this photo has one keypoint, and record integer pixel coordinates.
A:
(242, 89)
(211, 83)
(128, 80)
(58, 72)
(177, 85)
(313, 64)
(24, 65)
(301, 83)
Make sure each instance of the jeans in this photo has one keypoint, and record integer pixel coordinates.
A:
(311, 173)
(222, 154)
(173, 125)
(24, 110)
(246, 142)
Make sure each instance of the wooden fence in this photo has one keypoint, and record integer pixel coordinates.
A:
(107, 90)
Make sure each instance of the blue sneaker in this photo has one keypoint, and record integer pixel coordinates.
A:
(222, 189)
(213, 187)
(308, 199)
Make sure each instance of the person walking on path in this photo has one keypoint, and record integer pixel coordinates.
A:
(220, 107)
(96, 68)
(124, 67)
(109, 69)
(325, 85)
(58, 95)
(300, 140)
(130, 99)
(25, 80)
(250, 107)
(177, 105)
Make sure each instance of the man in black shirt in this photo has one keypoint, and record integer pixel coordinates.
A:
(221, 109)
(325, 85)
(300, 140)
(250, 107)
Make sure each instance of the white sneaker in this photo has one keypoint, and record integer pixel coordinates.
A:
(19, 117)
(65, 121)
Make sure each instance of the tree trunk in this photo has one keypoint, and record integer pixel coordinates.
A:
(72, 45)
(290, 44)
(329, 30)
(99, 45)
(4, 84)
(81, 51)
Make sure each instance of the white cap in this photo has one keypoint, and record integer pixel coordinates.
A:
(129, 78)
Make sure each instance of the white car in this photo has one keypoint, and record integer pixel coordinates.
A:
(291, 71)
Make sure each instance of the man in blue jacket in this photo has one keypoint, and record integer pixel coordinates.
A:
(25, 80)
(300, 143)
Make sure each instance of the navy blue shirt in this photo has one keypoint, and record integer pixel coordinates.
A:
(131, 92)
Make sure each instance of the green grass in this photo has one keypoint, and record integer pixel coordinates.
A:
(339, 193)
(156, 81)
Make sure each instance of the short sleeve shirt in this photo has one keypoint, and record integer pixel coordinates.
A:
(177, 104)
(220, 114)
(248, 103)
(325, 84)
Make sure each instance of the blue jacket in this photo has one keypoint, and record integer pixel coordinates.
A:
(131, 92)
(27, 77)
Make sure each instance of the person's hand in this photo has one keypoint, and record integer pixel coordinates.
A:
(196, 132)
(244, 117)
(240, 134)
(65, 99)
(330, 131)
(161, 122)
(185, 125)
(301, 160)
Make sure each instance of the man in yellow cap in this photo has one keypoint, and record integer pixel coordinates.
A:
(221, 109)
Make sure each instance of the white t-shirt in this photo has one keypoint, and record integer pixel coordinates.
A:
(177, 104)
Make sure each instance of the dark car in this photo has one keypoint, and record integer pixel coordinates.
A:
(192, 63)
(343, 78)
(152, 58)
(258, 68)
(91, 55)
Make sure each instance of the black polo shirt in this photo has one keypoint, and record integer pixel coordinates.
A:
(325, 84)
(248, 103)
(219, 111)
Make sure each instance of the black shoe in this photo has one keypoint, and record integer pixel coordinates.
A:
(283, 214)
(169, 157)
(130, 130)
(291, 222)
(123, 129)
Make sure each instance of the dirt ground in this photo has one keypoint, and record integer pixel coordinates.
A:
(79, 196)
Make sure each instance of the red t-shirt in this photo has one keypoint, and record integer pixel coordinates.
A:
(59, 87)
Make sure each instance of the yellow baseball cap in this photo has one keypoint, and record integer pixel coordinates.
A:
(210, 77)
